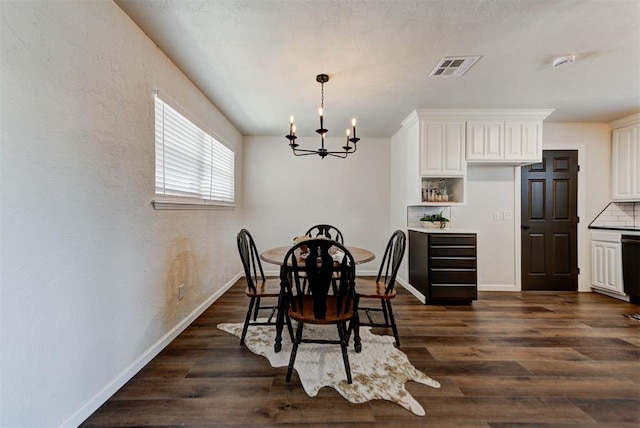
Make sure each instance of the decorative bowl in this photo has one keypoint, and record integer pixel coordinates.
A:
(435, 224)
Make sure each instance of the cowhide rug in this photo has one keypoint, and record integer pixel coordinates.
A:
(379, 372)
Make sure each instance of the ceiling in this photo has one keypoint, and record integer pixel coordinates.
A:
(256, 60)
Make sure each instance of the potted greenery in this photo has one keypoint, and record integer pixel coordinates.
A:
(434, 221)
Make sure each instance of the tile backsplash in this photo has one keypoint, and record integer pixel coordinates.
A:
(619, 215)
(414, 213)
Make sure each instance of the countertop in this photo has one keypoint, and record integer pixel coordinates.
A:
(615, 229)
(452, 230)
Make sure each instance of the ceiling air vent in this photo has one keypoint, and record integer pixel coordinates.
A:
(454, 66)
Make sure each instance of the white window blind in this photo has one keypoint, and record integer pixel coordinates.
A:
(190, 163)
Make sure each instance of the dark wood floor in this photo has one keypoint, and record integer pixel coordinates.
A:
(510, 359)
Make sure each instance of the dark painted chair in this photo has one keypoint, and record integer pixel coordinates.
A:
(382, 289)
(318, 306)
(326, 230)
(330, 232)
(258, 287)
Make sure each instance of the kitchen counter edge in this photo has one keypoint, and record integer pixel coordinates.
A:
(452, 230)
(615, 229)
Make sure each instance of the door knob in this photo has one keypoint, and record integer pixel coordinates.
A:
(525, 227)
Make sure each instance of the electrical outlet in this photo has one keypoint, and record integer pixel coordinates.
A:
(180, 291)
(507, 215)
(496, 215)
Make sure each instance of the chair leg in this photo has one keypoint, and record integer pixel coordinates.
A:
(393, 323)
(384, 311)
(256, 309)
(342, 332)
(289, 326)
(247, 321)
(294, 350)
(354, 326)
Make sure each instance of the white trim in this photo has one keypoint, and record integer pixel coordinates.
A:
(411, 290)
(101, 397)
(517, 231)
(622, 297)
(625, 121)
(482, 114)
(168, 203)
(497, 287)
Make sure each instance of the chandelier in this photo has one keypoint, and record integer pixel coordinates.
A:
(322, 151)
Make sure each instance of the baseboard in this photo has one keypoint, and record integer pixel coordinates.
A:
(624, 298)
(497, 287)
(418, 295)
(99, 399)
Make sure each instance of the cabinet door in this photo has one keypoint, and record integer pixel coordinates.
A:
(442, 149)
(523, 141)
(606, 266)
(485, 140)
(625, 158)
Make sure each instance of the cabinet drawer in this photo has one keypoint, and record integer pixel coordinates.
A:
(451, 292)
(452, 251)
(452, 276)
(453, 262)
(451, 239)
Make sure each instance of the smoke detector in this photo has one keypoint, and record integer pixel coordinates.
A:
(563, 60)
(454, 66)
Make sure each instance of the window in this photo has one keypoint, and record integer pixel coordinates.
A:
(192, 167)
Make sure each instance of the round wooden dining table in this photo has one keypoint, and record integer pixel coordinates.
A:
(276, 257)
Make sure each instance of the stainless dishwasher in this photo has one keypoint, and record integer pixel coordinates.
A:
(631, 266)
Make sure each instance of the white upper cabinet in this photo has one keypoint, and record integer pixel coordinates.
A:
(625, 159)
(485, 140)
(511, 137)
(439, 143)
(442, 149)
(523, 140)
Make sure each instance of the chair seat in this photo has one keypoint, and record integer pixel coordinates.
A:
(268, 288)
(370, 288)
(307, 316)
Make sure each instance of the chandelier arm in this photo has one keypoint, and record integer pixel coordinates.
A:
(338, 156)
(355, 147)
(304, 152)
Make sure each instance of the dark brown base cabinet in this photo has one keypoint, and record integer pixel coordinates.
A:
(443, 266)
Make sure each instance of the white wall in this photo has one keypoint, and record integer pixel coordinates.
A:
(490, 189)
(285, 194)
(89, 270)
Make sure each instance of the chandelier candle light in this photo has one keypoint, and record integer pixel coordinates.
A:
(322, 151)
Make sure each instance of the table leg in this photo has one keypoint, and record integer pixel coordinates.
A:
(280, 322)
(354, 326)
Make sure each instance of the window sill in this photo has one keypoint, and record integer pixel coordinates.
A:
(190, 204)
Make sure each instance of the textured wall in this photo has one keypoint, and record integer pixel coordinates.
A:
(285, 195)
(89, 270)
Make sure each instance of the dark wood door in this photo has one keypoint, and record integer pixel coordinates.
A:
(550, 222)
